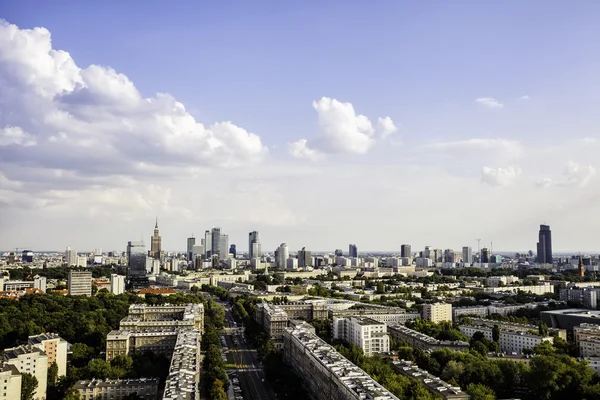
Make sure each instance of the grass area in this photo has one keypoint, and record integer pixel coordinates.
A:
(230, 366)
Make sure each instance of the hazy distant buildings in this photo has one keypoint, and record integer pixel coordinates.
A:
(253, 245)
(405, 251)
(70, 257)
(215, 240)
(207, 244)
(282, 253)
(304, 258)
(485, 255)
(233, 250)
(544, 245)
(155, 244)
(467, 255)
(80, 283)
(338, 253)
(136, 262)
(27, 256)
(352, 251)
(224, 247)
(191, 241)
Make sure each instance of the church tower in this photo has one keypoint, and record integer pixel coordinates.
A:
(155, 244)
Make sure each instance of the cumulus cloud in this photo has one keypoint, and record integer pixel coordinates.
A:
(342, 131)
(94, 121)
(576, 175)
(500, 176)
(385, 126)
(489, 102)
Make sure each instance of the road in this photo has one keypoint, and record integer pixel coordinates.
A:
(248, 368)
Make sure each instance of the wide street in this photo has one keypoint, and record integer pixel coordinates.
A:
(247, 366)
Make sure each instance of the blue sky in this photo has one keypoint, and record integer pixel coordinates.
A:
(261, 65)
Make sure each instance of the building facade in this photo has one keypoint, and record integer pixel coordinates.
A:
(136, 262)
(437, 312)
(10, 382)
(98, 389)
(80, 283)
(544, 245)
(55, 349)
(370, 335)
(511, 340)
(156, 243)
(421, 341)
(29, 359)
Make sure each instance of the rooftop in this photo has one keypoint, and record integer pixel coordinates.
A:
(432, 382)
(424, 338)
(35, 339)
(86, 384)
(182, 381)
(575, 312)
(15, 352)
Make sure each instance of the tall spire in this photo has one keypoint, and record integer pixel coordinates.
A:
(156, 226)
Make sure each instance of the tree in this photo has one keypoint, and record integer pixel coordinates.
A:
(543, 329)
(480, 392)
(72, 394)
(217, 391)
(195, 289)
(52, 373)
(29, 384)
(496, 333)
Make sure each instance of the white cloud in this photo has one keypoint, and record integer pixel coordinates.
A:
(386, 126)
(470, 146)
(577, 175)
(500, 176)
(342, 131)
(300, 149)
(489, 102)
(13, 135)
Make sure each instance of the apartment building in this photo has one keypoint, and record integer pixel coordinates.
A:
(437, 312)
(327, 375)
(80, 283)
(304, 310)
(55, 349)
(534, 289)
(370, 335)
(561, 333)
(511, 340)
(31, 360)
(98, 389)
(434, 384)
(387, 315)
(476, 311)
(585, 331)
(588, 296)
(274, 320)
(498, 281)
(10, 382)
(421, 341)
(184, 372)
(122, 342)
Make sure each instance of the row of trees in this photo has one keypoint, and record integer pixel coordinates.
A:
(444, 330)
(215, 376)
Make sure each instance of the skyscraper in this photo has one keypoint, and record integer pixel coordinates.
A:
(155, 243)
(405, 250)
(353, 251)
(224, 247)
(136, 262)
(485, 255)
(207, 244)
(215, 245)
(190, 246)
(70, 257)
(304, 258)
(253, 245)
(544, 245)
(80, 283)
(233, 250)
(467, 255)
(282, 254)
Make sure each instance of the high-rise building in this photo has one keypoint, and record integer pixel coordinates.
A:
(80, 283)
(155, 244)
(31, 360)
(485, 255)
(544, 245)
(437, 312)
(224, 247)
(55, 348)
(216, 242)
(428, 253)
(233, 250)
(191, 241)
(281, 255)
(11, 377)
(117, 284)
(449, 256)
(352, 251)
(581, 268)
(207, 244)
(253, 245)
(136, 262)
(70, 257)
(467, 254)
(338, 253)
(304, 258)
(27, 256)
(405, 250)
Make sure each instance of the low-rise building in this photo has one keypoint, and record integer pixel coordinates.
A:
(434, 384)
(387, 315)
(437, 312)
(31, 360)
(326, 373)
(498, 281)
(99, 389)
(368, 334)
(421, 341)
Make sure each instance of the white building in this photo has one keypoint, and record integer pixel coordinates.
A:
(368, 334)
(281, 255)
(152, 266)
(117, 284)
(80, 283)
(437, 312)
(534, 289)
(292, 263)
(31, 360)
(70, 257)
(224, 247)
(82, 261)
(10, 377)
(479, 311)
(39, 282)
(511, 341)
(496, 281)
(55, 349)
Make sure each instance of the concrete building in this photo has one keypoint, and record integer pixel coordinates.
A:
(184, 372)
(307, 311)
(281, 255)
(498, 281)
(304, 258)
(433, 383)
(96, 389)
(117, 284)
(570, 318)
(478, 311)
(10, 379)
(405, 251)
(421, 341)
(326, 373)
(437, 312)
(274, 320)
(587, 296)
(534, 289)
(70, 257)
(191, 242)
(31, 360)
(467, 255)
(254, 250)
(55, 349)
(387, 315)
(370, 335)
(511, 340)
(80, 283)
(39, 282)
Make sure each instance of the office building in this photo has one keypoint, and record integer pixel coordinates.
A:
(136, 262)
(224, 247)
(253, 245)
(437, 312)
(80, 283)
(10, 379)
(292, 263)
(304, 258)
(145, 388)
(449, 256)
(352, 251)
(117, 284)
(152, 266)
(191, 242)
(368, 334)
(207, 244)
(233, 250)
(215, 237)
(435, 385)
(155, 243)
(55, 349)
(281, 255)
(421, 341)
(405, 251)
(27, 256)
(467, 255)
(29, 359)
(544, 245)
(70, 257)
(485, 255)
(327, 375)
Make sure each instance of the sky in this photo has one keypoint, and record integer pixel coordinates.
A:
(317, 123)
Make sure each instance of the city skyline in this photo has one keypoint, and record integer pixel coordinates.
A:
(328, 135)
